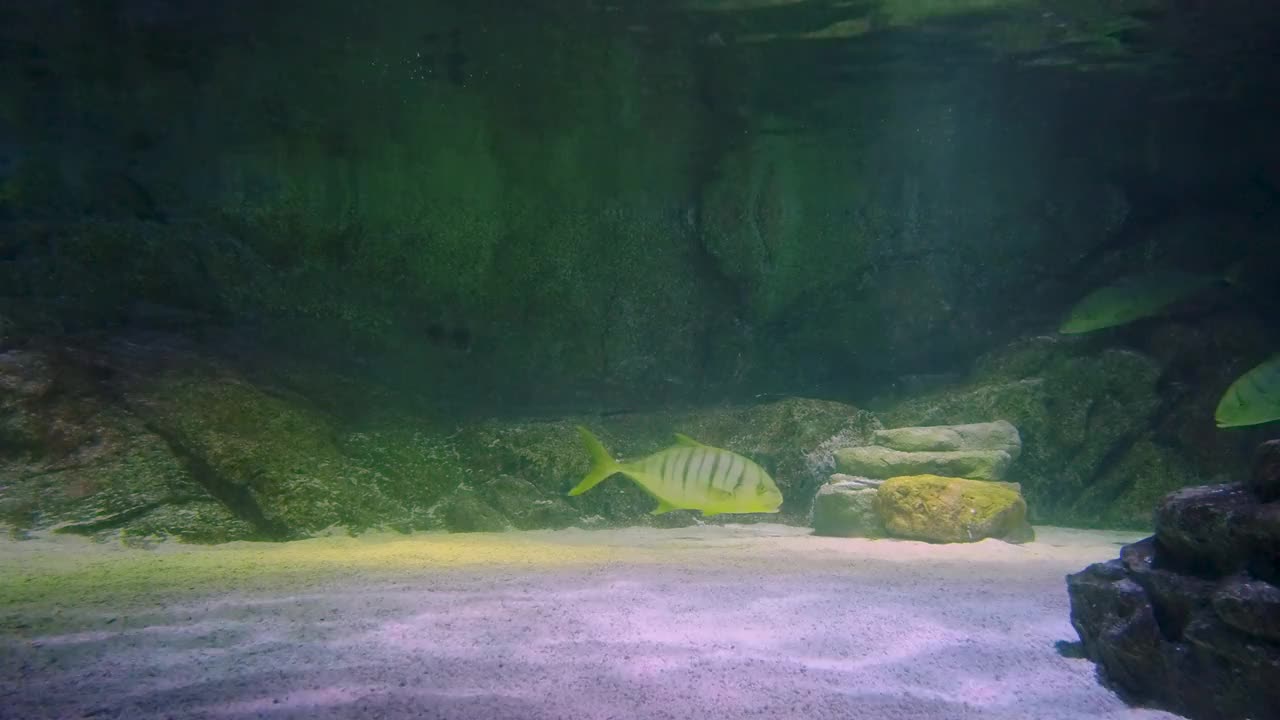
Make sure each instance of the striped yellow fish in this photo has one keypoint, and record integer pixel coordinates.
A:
(689, 476)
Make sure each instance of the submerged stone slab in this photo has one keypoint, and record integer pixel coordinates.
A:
(998, 435)
(881, 462)
(846, 510)
(950, 509)
(855, 480)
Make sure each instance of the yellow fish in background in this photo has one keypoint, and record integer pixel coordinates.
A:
(1253, 399)
(1132, 298)
(689, 476)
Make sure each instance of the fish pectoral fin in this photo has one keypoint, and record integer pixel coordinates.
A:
(686, 441)
(719, 495)
(663, 507)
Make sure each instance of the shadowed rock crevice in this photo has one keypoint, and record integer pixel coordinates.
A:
(235, 497)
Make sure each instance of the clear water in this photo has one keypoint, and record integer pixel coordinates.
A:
(301, 302)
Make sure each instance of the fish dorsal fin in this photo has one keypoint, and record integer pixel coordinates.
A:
(686, 441)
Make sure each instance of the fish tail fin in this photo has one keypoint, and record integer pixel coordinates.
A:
(602, 466)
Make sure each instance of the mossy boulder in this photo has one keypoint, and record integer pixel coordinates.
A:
(146, 438)
(274, 460)
(465, 511)
(1078, 410)
(503, 503)
(881, 462)
(948, 509)
(528, 508)
(74, 460)
(1127, 491)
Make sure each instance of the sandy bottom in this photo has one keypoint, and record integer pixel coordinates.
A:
(713, 622)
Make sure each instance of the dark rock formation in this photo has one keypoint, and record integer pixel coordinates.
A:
(1189, 619)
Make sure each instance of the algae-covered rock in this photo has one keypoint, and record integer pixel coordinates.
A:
(846, 510)
(145, 439)
(1076, 409)
(274, 460)
(464, 511)
(75, 461)
(882, 462)
(1127, 491)
(149, 440)
(948, 509)
(202, 520)
(527, 507)
(998, 435)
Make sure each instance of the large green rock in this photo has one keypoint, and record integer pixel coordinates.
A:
(273, 460)
(1078, 409)
(948, 509)
(882, 462)
(465, 511)
(1127, 491)
(74, 460)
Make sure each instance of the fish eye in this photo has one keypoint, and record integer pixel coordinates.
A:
(761, 489)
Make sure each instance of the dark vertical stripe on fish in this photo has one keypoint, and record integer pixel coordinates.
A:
(721, 478)
(682, 467)
(736, 472)
(704, 468)
(686, 462)
(715, 465)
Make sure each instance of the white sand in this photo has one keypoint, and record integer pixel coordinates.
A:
(711, 622)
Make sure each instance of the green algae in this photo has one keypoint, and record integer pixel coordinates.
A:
(1078, 410)
(948, 509)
